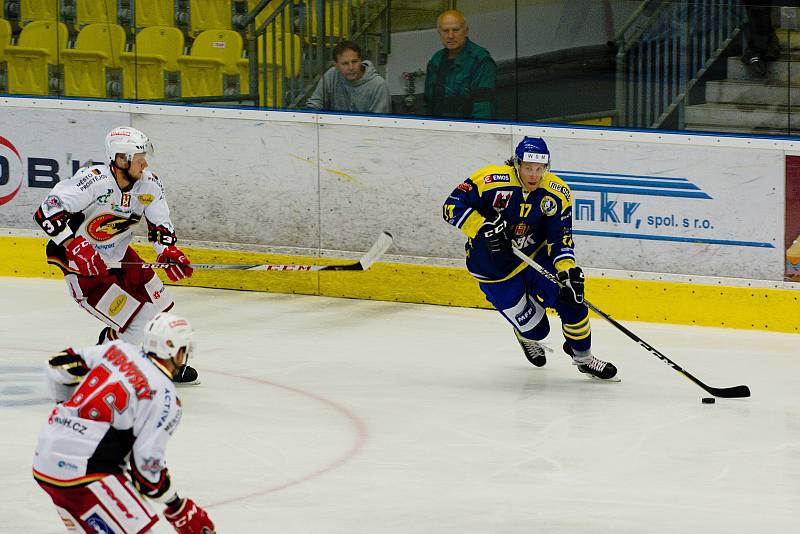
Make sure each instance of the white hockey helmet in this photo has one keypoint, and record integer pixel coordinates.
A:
(128, 141)
(166, 334)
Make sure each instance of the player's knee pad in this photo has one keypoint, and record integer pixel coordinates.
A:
(158, 294)
(528, 317)
(110, 303)
(119, 507)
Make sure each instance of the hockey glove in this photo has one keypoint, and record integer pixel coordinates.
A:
(496, 235)
(571, 285)
(180, 269)
(188, 518)
(86, 259)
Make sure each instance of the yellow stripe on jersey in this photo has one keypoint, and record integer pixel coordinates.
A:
(515, 272)
(79, 481)
(472, 224)
(493, 177)
(555, 185)
(579, 330)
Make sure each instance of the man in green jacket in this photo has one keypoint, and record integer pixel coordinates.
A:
(460, 82)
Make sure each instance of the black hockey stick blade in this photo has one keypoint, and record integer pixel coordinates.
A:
(729, 393)
(376, 251)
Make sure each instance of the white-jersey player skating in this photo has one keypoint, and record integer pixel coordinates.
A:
(117, 408)
(90, 219)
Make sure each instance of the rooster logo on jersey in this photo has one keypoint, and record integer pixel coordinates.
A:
(106, 226)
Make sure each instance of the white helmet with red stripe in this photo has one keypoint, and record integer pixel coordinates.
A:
(166, 334)
(128, 141)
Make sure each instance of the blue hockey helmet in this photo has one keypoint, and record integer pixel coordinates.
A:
(532, 150)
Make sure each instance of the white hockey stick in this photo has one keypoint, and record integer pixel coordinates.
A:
(376, 251)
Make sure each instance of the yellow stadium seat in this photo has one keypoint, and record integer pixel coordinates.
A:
(282, 59)
(154, 13)
(210, 15)
(143, 70)
(5, 38)
(31, 62)
(214, 54)
(94, 11)
(31, 10)
(97, 48)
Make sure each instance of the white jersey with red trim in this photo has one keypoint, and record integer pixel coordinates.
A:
(124, 404)
(102, 213)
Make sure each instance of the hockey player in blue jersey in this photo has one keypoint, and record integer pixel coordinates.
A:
(524, 205)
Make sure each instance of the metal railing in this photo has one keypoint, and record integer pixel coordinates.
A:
(289, 50)
(664, 50)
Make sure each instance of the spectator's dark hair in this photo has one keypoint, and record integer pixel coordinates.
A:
(346, 45)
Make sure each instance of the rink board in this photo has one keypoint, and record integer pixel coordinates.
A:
(288, 186)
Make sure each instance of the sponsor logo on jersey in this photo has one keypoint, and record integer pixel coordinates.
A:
(63, 464)
(97, 172)
(548, 206)
(492, 178)
(559, 189)
(165, 409)
(105, 226)
(464, 187)
(501, 199)
(146, 199)
(98, 524)
(87, 182)
(520, 229)
(67, 422)
(102, 199)
(117, 305)
(52, 201)
(173, 424)
(126, 200)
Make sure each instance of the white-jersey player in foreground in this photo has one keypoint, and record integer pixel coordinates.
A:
(90, 219)
(117, 408)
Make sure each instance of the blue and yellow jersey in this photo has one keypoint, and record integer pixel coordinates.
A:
(541, 220)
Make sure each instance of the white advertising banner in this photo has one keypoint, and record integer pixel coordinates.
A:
(643, 201)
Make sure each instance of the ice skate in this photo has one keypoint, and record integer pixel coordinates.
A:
(534, 350)
(107, 334)
(592, 366)
(186, 376)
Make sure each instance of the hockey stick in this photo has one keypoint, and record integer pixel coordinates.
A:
(731, 392)
(376, 251)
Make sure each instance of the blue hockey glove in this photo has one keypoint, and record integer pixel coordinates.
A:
(496, 234)
(571, 290)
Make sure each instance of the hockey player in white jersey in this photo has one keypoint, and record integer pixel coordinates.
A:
(90, 219)
(117, 408)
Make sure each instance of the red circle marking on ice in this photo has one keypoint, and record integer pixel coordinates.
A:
(358, 444)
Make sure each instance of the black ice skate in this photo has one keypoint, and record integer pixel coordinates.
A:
(534, 350)
(186, 376)
(594, 367)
